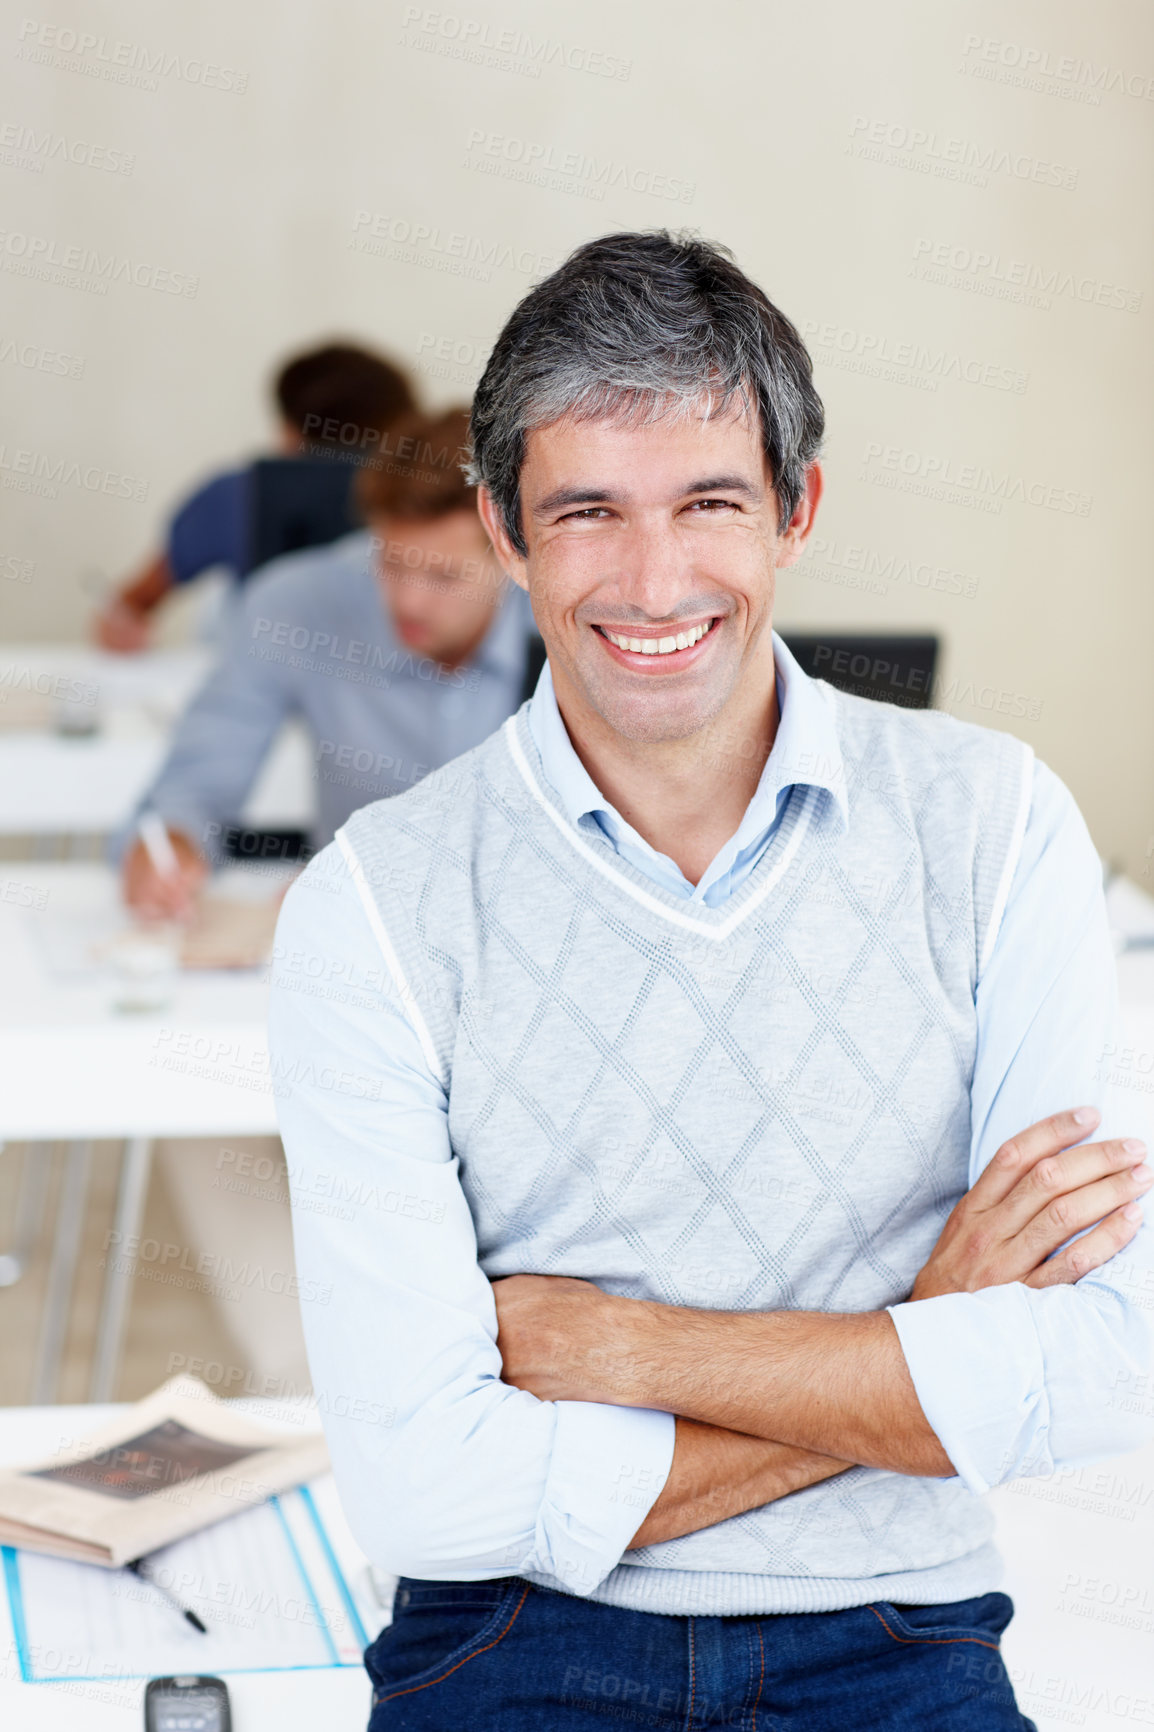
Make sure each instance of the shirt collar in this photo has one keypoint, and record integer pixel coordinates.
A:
(806, 752)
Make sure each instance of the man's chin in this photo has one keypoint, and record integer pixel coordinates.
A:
(653, 718)
(413, 639)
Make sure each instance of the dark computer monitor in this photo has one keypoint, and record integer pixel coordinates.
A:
(896, 667)
(297, 502)
(293, 503)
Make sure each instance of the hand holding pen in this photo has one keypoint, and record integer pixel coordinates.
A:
(163, 871)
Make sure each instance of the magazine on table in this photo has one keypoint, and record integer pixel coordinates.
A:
(171, 1464)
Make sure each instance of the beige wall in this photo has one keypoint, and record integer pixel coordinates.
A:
(792, 133)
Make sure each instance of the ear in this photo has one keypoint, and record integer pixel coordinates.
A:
(791, 546)
(508, 557)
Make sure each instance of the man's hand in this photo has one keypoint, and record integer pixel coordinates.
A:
(1035, 1194)
(566, 1340)
(122, 628)
(558, 1340)
(767, 1403)
(122, 624)
(161, 895)
(562, 1339)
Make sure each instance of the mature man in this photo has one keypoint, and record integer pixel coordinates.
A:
(399, 648)
(700, 1011)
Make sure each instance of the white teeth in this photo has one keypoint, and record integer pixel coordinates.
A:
(659, 646)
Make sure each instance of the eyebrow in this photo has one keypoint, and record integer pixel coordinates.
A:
(568, 496)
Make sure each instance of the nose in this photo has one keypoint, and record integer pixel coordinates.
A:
(655, 570)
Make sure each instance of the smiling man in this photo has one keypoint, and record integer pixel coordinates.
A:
(695, 1250)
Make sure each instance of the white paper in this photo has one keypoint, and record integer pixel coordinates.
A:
(261, 1581)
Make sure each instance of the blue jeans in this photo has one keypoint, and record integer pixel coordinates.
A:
(505, 1656)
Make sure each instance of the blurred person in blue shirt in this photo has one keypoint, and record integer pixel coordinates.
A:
(334, 402)
(398, 648)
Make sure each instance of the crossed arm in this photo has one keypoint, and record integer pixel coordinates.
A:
(770, 1402)
(454, 1470)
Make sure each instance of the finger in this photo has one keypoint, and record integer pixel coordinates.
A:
(140, 894)
(1060, 1176)
(1089, 1252)
(1076, 1211)
(164, 898)
(1021, 1153)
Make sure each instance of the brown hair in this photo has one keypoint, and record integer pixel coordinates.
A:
(329, 391)
(417, 471)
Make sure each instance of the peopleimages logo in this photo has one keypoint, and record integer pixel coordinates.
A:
(24, 147)
(503, 49)
(119, 62)
(36, 472)
(973, 484)
(37, 359)
(904, 362)
(39, 256)
(433, 248)
(537, 163)
(1039, 69)
(856, 567)
(988, 273)
(948, 157)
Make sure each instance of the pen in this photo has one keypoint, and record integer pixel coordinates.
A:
(156, 840)
(138, 1569)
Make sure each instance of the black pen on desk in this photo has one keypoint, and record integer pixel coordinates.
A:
(138, 1569)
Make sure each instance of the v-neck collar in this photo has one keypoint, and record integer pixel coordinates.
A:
(599, 853)
(806, 754)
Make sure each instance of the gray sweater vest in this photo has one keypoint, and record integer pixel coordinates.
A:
(759, 1106)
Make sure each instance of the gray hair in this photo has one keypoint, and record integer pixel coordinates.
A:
(639, 327)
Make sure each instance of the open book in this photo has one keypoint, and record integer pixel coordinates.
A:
(173, 1463)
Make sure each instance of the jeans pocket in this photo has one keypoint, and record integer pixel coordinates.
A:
(982, 1619)
(436, 1627)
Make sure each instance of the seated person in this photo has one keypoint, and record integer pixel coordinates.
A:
(317, 394)
(399, 647)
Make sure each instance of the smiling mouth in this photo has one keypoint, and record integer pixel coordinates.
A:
(658, 646)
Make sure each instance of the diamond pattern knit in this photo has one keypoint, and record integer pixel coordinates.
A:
(759, 1106)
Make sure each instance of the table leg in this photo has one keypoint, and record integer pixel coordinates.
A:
(65, 1248)
(135, 1165)
(29, 1212)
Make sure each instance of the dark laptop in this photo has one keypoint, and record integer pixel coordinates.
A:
(297, 502)
(897, 667)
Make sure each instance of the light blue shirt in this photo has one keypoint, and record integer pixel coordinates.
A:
(312, 638)
(363, 1114)
(797, 757)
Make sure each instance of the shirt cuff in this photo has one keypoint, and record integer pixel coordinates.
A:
(606, 1471)
(978, 1370)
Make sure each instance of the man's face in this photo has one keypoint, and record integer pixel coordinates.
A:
(651, 560)
(439, 581)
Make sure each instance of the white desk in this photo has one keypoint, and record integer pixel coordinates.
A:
(1079, 1551)
(1070, 1667)
(73, 1069)
(337, 1700)
(57, 784)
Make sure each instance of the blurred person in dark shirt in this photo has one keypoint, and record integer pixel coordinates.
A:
(319, 396)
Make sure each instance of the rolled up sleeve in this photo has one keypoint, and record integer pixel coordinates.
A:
(444, 1471)
(1017, 1381)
